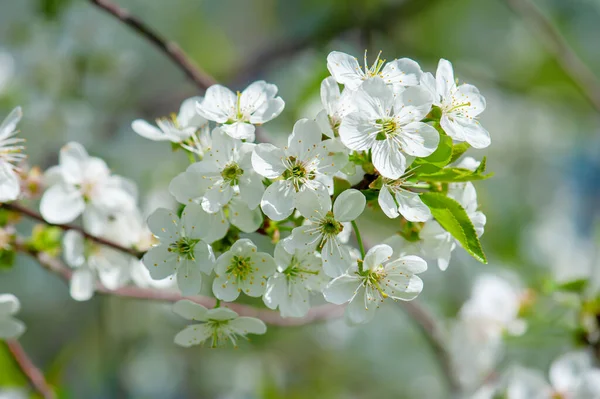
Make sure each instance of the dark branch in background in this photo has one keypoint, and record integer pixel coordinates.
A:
(13, 206)
(555, 43)
(34, 375)
(340, 21)
(202, 79)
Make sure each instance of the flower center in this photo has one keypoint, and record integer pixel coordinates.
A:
(374, 277)
(375, 68)
(295, 269)
(329, 226)
(296, 172)
(231, 174)
(184, 247)
(240, 267)
(387, 128)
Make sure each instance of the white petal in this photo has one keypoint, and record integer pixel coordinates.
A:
(428, 83)
(248, 325)
(160, 262)
(219, 104)
(164, 224)
(193, 335)
(246, 219)
(349, 205)
(358, 132)
(330, 95)
(566, 371)
(9, 304)
(589, 385)
(336, 258)
(268, 111)
(469, 94)
(324, 123)
(189, 277)
(278, 200)
(188, 115)
(9, 183)
(528, 384)
(444, 78)
(73, 248)
(412, 207)
(225, 289)
(221, 314)
(267, 160)
(61, 204)
(251, 189)
(148, 131)
(302, 238)
(345, 69)
(404, 72)
(305, 138)
(240, 130)
(313, 203)
(419, 139)
(377, 255)
(407, 264)
(388, 159)
(359, 310)
(82, 284)
(191, 184)
(413, 104)
(9, 124)
(216, 227)
(217, 196)
(374, 99)
(403, 287)
(190, 310)
(195, 221)
(73, 160)
(387, 203)
(11, 328)
(341, 289)
(255, 95)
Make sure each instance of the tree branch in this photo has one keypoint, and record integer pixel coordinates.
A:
(34, 375)
(13, 206)
(555, 43)
(202, 79)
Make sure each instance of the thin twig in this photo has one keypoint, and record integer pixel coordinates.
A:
(34, 375)
(555, 43)
(13, 206)
(202, 79)
(427, 324)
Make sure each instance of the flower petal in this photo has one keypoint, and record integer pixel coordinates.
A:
(267, 160)
(73, 248)
(188, 115)
(388, 158)
(193, 335)
(403, 72)
(150, 132)
(164, 224)
(377, 255)
(412, 207)
(246, 219)
(10, 187)
(330, 95)
(190, 310)
(160, 262)
(82, 284)
(387, 203)
(444, 77)
(61, 204)
(313, 203)
(304, 139)
(11, 328)
(189, 277)
(278, 200)
(341, 289)
(219, 104)
(345, 69)
(349, 205)
(248, 325)
(419, 139)
(240, 130)
(9, 305)
(225, 289)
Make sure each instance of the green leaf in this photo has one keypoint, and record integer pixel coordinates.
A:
(45, 239)
(454, 175)
(440, 158)
(340, 185)
(454, 219)
(10, 373)
(458, 150)
(576, 286)
(481, 168)
(7, 259)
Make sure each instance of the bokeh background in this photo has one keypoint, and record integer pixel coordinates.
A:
(81, 75)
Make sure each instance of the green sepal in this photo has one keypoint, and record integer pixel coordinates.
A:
(454, 219)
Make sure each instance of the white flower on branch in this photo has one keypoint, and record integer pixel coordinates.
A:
(242, 269)
(306, 163)
(239, 113)
(381, 278)
(81, 184)
(460, 106)
(297, 275)
(10, 156)
(390, 126)
(399, 73)
(324, 226)
(182, 249)
(572, 376)
(225, 171)
(218, 325)
(91, 262)
(396, 198)
(187, 128)
(10, 327)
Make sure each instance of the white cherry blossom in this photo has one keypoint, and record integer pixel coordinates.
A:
(10, 328)
(460, 106)
(81, 184)
(225, 171)
(398, 73)
(572, 376)
(92, 262)
(323, 227)
(336, 106)
(242, 269)
(239, 113)
(297, 275)
(307, 163)
(179, 128)
(183, 249)
(10, 155)
(218, 325)
(381, 278)
(396, 198)
(390, 126)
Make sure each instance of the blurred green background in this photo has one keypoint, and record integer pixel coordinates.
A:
(81, 75)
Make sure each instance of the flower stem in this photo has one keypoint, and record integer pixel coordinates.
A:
(359, 239)
(218, 304)
(191, 156)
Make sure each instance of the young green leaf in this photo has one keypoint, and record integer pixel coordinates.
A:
(440, 158)
(454, 219)
(454, 175)
(458, 150)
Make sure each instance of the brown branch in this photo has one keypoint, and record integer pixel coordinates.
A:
(427, 324)
(13, 206)
(555, 43)
(202, 79)
(34, 375)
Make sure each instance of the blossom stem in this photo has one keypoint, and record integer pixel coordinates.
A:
(171, 49)
(34, 375)
(361, 247)
(191, 157)
(218, 303)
